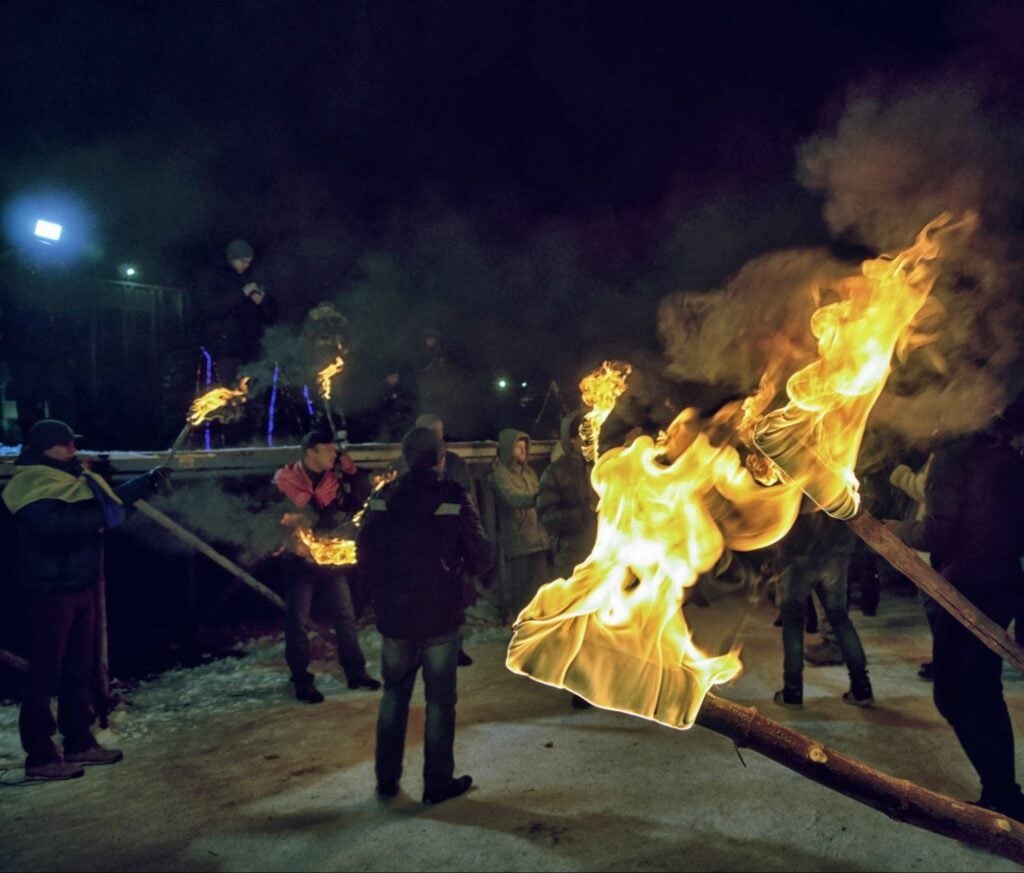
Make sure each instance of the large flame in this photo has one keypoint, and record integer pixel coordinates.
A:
(327, 550)
(327, 373)
(615, 632)
(206, 405)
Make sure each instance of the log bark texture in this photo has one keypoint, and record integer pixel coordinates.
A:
(899, 799)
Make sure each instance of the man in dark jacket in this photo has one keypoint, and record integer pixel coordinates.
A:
(974, 528)
(567, 502)
(232, 309)
(62, 509)
(420, 534)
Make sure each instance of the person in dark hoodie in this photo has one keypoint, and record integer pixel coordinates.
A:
(972, 526)
(567, 502)
(525, 547)
(419, 536)
(61, 509)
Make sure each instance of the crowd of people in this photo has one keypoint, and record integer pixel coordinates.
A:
(423, 552)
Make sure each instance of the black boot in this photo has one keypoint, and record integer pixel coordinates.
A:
(860, 693)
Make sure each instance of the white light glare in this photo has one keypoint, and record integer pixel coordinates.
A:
(48, 230)
(503, 383)
(129, 271)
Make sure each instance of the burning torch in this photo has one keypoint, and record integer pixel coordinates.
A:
(324, 378)
(206, 407)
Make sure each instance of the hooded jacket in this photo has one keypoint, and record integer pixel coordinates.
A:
(567, 504)
(61, 510)
(515, 488)
(419, 536)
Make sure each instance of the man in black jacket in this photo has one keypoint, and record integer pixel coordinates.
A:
(974, 529)
(420, 534)
(62, 510)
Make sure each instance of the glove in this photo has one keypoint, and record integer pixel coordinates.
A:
(159, 478)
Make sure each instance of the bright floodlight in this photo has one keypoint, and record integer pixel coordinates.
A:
(129, 271)
(48, 230)
(503, 384)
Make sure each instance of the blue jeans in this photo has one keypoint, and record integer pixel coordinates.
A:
(401, 659)
(827, 576)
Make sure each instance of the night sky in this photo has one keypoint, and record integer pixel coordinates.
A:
(532, 177)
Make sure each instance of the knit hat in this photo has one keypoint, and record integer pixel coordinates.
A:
(315, 438)
(49, 432)
(239, 250)
(422, 447)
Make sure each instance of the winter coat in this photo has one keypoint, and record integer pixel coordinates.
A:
(420, 535)
(228, 323)
(455, 470)
(974, 514)
(567, 506)
(61, 510)
(515, 489)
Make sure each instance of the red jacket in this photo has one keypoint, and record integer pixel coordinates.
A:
(293, 481)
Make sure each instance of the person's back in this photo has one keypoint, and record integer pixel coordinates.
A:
(418, 538)
(420, 534)
(975, 510)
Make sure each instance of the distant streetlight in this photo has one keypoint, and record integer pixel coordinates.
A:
(129, 271)
(48, 230)
(502, 384)
(523, 385)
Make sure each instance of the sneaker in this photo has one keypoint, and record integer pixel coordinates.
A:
(454, 788)
(364, 681)
(52, 771)
(927, 671)
(464, 659)
(861, 697)
(823, 655)
(97, 755)
(790, 698)
(308, 692)
(387, 788)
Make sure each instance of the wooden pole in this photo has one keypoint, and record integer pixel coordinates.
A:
(199, 545)
(14, 661)
(906, 560)
(102, 640)
(186, 536)
(899, 799)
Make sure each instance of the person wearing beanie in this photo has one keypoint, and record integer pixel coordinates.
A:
(420, 535)
(321, 501)
(62, 509)
(232, 308)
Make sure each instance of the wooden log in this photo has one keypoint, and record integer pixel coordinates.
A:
(186, 536)
(14, 661)
(907, 561)
(899, 799)
(205, 548)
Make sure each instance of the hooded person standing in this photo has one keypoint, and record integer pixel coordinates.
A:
(525, 546)
(62, 509)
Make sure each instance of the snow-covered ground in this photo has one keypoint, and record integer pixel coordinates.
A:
(224, 770)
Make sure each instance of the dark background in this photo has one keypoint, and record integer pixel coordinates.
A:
(530, 178)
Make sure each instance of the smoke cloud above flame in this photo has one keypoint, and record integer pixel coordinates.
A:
(893, 160)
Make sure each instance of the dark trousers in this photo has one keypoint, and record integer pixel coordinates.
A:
(401, 659)
(827, 576)
(62, 661)
(333, 588)
(969, 695)
(523, 577)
